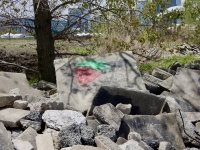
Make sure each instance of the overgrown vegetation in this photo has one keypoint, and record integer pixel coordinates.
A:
(166, 62)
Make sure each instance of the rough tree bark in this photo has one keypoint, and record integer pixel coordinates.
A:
(45, 42)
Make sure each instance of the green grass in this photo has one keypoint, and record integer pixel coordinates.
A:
(79, 49)
(166, 62)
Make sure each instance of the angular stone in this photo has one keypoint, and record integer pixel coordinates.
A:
(108, 114)
(132, 145)
(122, 72)
(44, 85)
(15, 132)
(15, 92)
(165, 146)
(44, 142)
(151, 79)
(55, 137)
(187, 84)
(181, 102)
(82, 147)
(20, 104)
(124, 108)
(106, 143)
(138, 99)
(10, 117)
(34, 115)
(154, 129)
(93, 124)
(108, 131)
(167, 83)
(137, 138)
(57, 119)
(75, 134)
(29, 135)
(161, 74)
(22, 145)
(189, 119)
(121, 141)
(7, 99)
(33, 124)
(5, 139)
(9, 82)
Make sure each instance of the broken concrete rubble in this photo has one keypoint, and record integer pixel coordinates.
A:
(154, 129)
(10, 117)
(8, 99)
(5, 139)
(9, 81)
(119, 70)
(108, 114)
(46, 144)
(57, 119)
(137, 98)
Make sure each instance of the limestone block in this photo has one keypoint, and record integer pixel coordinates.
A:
(22, 145)
(5, 139)
(29, 135)
(44, 142)
(11, 117)
(106, 143)
(8, 99)
(108, 114)
(20, 104)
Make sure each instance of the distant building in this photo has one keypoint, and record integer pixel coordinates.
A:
(75, 14)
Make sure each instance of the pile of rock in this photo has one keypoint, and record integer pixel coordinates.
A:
(186, 48)
(118, 115)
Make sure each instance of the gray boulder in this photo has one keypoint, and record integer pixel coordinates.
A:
(76, 134)
(57, 119)
(29, 135)
(22, 145)
(10, 117)
(8, 99)
(33, 124)
(108, 114)
(124, 108)
(34, 116)
(108, 131)
(5, 139)
(20, 104)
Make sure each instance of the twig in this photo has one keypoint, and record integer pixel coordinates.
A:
(184, 128)
(13, 64)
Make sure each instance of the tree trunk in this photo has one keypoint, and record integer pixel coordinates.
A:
(45, 42)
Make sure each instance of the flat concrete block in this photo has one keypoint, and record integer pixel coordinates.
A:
(154, 129)
(161, 74)
(186, 83)
(29, 135)
(106, 143)
(8, 99)
(10, 117)
(22, 145)
(20, 104)
(83, 147)
(44, 142)
(7, 84)
(5, 139)
(122, 71)
(137, 98)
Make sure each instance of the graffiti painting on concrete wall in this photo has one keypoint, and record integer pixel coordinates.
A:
(89, 70)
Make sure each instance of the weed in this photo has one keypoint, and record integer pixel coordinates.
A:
(166, 62)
